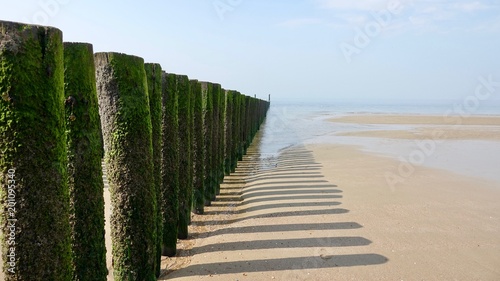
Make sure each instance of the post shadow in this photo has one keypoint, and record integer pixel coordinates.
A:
(324, 242)
(273, 183)
(288, 227)
(276, 206)
(284, 264)
(298, 184)
(332, 211)
(291, 190)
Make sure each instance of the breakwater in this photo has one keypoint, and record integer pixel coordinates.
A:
(167, 142)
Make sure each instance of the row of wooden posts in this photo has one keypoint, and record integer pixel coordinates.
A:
(167, 142)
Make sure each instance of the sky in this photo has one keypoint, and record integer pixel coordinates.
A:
(296, 51)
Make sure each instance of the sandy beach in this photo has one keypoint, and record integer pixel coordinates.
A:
(427, 127)
(325, 211)
(331, 140)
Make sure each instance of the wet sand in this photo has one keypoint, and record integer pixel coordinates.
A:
(419, 119)
(426, 127)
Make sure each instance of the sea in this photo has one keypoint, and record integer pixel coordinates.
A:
(294, 124)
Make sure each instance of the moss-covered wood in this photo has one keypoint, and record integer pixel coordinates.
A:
(228, 123)
(241, 126)
(209, 135)
(216, 142)
(236, 130)
(169, 192)
(199, 148)
(84, 147)
(154, 79)
(191, 127)
(126, 123)
(218, 137)
(246, 123)
(249, 121)
(221, 135)
(215, 139)
(185, 155)
(34, 193)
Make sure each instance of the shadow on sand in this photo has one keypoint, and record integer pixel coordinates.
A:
(282, 189)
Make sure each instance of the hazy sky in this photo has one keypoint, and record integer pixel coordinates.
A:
(322, 50)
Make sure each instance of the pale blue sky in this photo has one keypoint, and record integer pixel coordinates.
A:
(296, 50)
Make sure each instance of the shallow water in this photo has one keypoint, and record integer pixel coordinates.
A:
(289, 125)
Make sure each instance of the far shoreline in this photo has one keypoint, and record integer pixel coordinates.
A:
(418, 119)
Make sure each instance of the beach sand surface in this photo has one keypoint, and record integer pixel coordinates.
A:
(482, 120)
(327, 211)
(425, 127)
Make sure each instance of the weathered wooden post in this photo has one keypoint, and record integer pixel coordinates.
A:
(199, 148)
(246, 124)
(228, 132)
(206, 89)
(169, 194)
(34, 192)
(154, 79)
(126, 123)
(185, 153)
(236, 130)
(215, 139)
(221, 111)
(241, 126)
(84, 146)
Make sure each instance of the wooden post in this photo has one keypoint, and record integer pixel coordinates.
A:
(34, 191)
(84, 141)
(169, 194)
(127, 131)
(185, 153)
(154, 79)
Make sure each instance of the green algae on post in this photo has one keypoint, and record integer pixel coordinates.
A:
(221, 136)
(199, 149)
(228, 132)
(209, 195)
(185, 155)
(154, 79)
(34, 191)
(169, 190)
(191, 132)
(127, 131)
(236, 130)
(215, 140)
(84, 147)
